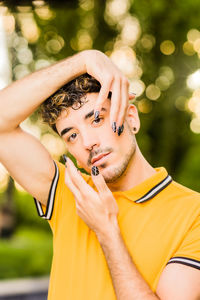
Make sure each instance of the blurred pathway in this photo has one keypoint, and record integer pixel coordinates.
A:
(24, 289)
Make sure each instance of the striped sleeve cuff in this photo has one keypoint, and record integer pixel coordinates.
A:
(50, 202)
(185, 261)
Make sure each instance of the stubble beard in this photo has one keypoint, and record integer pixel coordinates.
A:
(117, 172)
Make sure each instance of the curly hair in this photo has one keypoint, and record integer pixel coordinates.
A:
(72, 94)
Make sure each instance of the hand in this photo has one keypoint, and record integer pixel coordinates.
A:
(112, 79)
(98, 210)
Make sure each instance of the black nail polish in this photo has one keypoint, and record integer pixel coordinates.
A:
(95, 171)
(120, 129)
(96, 115)
(65, 158)
(114, 127)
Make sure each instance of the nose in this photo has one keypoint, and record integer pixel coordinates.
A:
(90, 140)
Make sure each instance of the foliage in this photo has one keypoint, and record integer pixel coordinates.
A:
(26, 212)
(28, 253)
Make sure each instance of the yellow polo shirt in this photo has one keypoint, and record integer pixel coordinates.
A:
(160, 223)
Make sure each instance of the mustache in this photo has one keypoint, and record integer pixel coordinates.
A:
(97, 152)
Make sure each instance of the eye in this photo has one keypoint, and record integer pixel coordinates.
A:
(97, 121)
(72, 137)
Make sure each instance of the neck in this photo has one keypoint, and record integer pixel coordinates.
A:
(137, 171)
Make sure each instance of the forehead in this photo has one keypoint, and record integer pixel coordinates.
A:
(70, 116)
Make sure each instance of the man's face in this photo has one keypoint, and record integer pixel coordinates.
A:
(87, 140)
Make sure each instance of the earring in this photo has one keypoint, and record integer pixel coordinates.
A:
(134, 128)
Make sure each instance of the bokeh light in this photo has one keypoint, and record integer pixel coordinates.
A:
(167, 47)
(188, 48)
(153, 92)
(29, 27)
(167, 72)
(162, 82)
(195, 125)
(44, 12)
(125, 59)
(115, 10)
(147, 42)
(145, 106)
(54, 145)
(130, 30)
(193, 80)
(20, 71)
(137, 87)
(86, 5)
(193, 44)
(192, 35)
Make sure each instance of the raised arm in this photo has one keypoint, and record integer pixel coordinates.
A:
(22, 98)
(25, 158)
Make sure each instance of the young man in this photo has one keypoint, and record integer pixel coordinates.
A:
(125, 232)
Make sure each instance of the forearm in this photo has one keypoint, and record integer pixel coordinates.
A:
(22, 98)
(127, 281)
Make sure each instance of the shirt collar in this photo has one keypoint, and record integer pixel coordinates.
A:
(148, 188)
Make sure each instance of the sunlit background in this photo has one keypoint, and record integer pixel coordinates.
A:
(157, 46)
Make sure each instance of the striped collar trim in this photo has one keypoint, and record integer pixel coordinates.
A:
(155, 190)
(147, 189)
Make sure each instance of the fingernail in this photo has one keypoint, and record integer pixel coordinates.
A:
(133, 93)
(120, 129)
(95, 171)
(114, 127)
(65, 158)
(96, 115)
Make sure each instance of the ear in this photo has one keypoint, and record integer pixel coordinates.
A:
(132, 118)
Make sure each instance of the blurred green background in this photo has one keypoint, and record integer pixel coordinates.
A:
(156, 43)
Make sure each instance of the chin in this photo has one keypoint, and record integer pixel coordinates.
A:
(110, 173)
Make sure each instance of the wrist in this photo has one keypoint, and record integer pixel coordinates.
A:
(83, 58)
(89, 58)
(109, 232)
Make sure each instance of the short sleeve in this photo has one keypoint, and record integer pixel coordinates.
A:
(60, 198)
(48, 212)
(189, 251)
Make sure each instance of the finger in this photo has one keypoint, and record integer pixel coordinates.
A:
(115, 101)
(132, 96)
(104, 192)
(77, 179)
(71, 185)
(100, 183)
(124, 101)
(103, 95)
(75, 176)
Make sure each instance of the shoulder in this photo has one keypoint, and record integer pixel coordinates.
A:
(184, 193)
(180, 200)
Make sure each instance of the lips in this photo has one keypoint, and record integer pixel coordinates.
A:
(96, 158)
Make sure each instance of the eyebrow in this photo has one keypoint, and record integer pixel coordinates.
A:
(87, 116)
